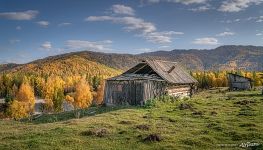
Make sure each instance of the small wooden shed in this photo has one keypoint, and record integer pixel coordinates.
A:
(238, 82)
(147, 80)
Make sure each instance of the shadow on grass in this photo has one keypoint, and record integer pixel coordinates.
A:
(75, 114)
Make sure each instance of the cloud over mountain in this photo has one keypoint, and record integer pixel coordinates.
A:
(206, 41)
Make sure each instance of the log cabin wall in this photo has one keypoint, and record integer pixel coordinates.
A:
(180, 90)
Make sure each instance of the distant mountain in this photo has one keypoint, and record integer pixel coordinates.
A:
(222, 58)
(64, 65)
(7, 66)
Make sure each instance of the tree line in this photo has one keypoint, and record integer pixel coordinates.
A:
(19, 92)
(208, 79)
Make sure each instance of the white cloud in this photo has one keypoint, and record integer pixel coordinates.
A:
(157, 37)
(237, 5)
(64, 24)
(202, 8)
(173, 33)
(43, 23)
(256, 19)
(259, 34)
(146, 29)
(122, 9)
(107, 41)
(144, 50)
(18, 27)
(185, 2)
(233, 21)
(259, 20)
(226, 34)
(13, 41)
(88, 45)
(99, 18)
(164, 46)
(206, 41)
(134, 23)
(46, 45)
(25, 15)
(236, 20)
(251, 18)
(160, 37)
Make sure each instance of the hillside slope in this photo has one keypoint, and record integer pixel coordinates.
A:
(222, 58)
(207, 121)
(7, 66)
(64, 66)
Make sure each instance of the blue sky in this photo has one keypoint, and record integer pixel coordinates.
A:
(33, 29)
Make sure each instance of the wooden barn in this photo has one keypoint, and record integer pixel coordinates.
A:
(238, 82)
(147, 80)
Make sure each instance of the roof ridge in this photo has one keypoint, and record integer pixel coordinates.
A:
(161, 60)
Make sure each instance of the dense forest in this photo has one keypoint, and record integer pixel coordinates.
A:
(81, 90)
(79, 81)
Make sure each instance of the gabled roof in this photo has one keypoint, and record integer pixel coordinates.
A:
(169, 71)
(240, 76)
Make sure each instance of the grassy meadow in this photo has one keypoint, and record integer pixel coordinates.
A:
(212, 119)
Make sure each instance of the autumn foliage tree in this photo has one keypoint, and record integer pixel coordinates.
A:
(83, 95)
(100, 93)
(53, 92)
(69, 99)
(24, 102)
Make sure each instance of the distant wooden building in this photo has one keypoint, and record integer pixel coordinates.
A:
(147, 80)
(238, 82)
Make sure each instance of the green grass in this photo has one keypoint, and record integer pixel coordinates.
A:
(211, 118)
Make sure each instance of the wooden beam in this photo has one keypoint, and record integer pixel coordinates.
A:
(140, 68)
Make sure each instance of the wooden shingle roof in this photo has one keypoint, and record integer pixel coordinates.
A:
(172, 72)
(169, 71)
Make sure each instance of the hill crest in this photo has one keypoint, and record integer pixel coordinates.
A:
(228, 57)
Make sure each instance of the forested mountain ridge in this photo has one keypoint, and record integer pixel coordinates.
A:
(63, 65)
(7, 66)
(229, 57)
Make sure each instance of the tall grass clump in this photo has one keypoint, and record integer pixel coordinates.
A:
(164, 99)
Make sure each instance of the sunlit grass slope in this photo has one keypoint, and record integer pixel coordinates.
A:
(208, 120)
